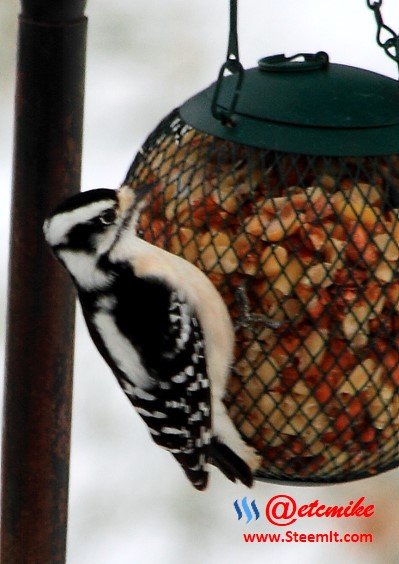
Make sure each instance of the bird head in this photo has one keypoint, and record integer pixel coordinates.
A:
(85, 222)
(90, 222)
(88, 225)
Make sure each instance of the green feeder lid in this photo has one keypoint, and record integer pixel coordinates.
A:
(311, 107)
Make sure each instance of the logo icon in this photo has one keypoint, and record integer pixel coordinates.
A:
(248, 513)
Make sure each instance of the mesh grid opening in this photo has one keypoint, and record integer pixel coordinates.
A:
(304, 251)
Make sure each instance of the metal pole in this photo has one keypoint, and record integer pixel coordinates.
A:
(40, 328)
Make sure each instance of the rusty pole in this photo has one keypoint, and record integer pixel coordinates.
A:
(40, 319)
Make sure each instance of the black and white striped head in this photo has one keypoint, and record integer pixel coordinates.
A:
(87, 226)
(90, 222)
(86, 222)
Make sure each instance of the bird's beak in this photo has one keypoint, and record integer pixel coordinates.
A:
(126, 198)
(129, 198)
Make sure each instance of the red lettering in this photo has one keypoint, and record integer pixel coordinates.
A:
(285, 510)
(334, 511)
(369, 510)
(312, 506)
(358, 509)
(348, 510)
(282, 508)
(248, 537)
(302, 510)
(261, 537)
(288, 536)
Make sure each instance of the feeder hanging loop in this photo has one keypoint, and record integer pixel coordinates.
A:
(232, 65)
(390, 45)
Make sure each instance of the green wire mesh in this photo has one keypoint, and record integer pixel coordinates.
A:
(304, 251)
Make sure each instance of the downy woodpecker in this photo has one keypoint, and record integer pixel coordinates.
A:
(160, 325)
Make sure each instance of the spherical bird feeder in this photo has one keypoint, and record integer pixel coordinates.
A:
(281, 183)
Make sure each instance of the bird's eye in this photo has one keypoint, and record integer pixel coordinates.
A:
(108, 217)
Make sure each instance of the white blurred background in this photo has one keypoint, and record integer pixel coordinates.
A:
(129, 502)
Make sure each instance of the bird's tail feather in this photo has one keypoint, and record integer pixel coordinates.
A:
(232, 466)
(221, 456)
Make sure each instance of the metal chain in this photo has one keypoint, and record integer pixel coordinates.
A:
(390, 45)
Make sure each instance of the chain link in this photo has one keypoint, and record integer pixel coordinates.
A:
(390, 44)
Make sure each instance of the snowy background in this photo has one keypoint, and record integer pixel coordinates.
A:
(129, 502)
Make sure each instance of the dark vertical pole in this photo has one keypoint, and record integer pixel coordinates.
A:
(40, 330)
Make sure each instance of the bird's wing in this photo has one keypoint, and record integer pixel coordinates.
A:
(174, 399)
(171, 391)
(177, 409)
